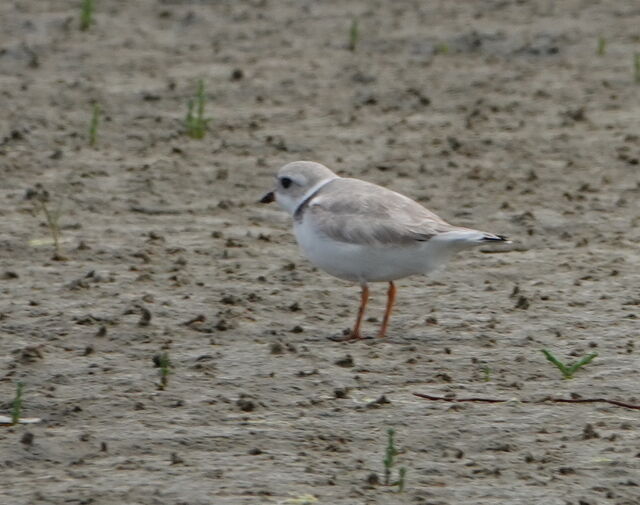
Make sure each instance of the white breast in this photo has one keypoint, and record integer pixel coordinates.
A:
(365, 263)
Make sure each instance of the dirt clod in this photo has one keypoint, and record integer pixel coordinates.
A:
(589, 433)
(346, 361)
(276, 348)
(245, 405)
(27, 438)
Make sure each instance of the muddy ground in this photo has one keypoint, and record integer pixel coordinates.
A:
(499, 115)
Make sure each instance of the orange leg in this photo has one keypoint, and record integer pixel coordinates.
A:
(391, 298)
(364, 298)
(355, 333)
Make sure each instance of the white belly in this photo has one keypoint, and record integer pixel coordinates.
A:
(363, 263)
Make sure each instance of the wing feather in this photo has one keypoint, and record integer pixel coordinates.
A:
(354, 211)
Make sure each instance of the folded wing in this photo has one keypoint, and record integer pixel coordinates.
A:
(357, 212)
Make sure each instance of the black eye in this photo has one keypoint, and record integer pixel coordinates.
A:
(286, 182)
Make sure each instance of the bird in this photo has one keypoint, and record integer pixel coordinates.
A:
(362, 232)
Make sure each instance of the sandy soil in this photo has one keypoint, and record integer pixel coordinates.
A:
(498, 115)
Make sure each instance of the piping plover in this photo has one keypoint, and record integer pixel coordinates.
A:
(361, 232)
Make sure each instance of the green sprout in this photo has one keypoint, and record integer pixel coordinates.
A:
(389, 456)
(354, 35)
(389, 462)
(41, 199)
(86, 15)
(568, 370)
(16, 405)
(602, 46)
(195, 121)
(163, 362)
(93, 126)
(486, 369)
(441, 48)
(402, 473)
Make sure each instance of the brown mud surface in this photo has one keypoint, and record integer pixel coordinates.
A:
(498, 115)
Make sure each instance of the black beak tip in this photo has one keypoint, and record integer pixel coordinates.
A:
(268, 198)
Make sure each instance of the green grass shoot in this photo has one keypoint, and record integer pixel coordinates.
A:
(86, 15)
(602, 46)
(402, 474)
(93, 126)
(570, 369)
(164, 363)
(389, 456)
(41, 199)
(354, 35)
(53, 223)
(16, 405)
(486, 370)
(636, 67)
(389, 462)
(441, 48)
(195, 121)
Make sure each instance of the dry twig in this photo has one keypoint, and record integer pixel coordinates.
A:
(545, 400)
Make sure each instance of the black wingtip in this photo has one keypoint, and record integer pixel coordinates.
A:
(496, 238)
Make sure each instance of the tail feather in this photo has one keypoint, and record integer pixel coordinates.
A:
(465, 237)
